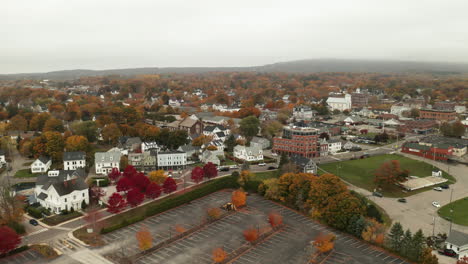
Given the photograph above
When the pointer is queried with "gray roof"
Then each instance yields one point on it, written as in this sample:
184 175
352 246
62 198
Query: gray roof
44 179
457 238
42 196
2 152
300 160
112 156
258 140
66 187
189 147
44 159
74 155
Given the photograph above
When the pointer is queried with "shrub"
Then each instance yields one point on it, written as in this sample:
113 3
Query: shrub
19 228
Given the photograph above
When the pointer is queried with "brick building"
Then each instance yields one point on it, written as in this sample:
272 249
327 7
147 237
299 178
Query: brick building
439 115
298 140
359 100
421 126
434 152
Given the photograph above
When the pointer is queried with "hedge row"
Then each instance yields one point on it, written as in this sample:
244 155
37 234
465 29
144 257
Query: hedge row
172 202
15 251
36 212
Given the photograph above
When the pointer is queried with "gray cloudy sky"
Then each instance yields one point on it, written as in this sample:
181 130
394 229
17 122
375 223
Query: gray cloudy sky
45 35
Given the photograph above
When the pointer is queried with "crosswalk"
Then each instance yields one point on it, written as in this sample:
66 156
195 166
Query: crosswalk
68 245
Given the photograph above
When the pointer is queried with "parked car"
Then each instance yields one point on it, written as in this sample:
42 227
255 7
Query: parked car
402 200
271 168
33 222
447 252
233 167
262 164
224 169
436 204
274 154
437 189
445 186
377 194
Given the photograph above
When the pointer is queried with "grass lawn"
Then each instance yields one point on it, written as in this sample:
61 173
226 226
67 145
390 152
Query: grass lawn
24 173
261 176
361 172
59 218
460 211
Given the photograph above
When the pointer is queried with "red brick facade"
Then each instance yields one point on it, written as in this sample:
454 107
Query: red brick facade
427 152
303 142
437 114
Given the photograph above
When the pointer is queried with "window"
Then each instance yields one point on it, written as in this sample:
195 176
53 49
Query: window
83 194
65 199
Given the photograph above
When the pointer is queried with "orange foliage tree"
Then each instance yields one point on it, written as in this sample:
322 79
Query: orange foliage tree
219 255
390 173
374 232
275 219
324 243
239 198
214 213
145 239
180 229
251 234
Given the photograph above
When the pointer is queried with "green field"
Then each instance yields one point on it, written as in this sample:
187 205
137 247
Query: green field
460 211
361 172
24 173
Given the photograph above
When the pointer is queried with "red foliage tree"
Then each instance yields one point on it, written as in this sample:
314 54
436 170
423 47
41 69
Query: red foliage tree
140 181
97 192
135 197
197 174
210 170
463 260
129 171
10 240
114 174
124 184
153 190
251 234
390 173
169 185
116 203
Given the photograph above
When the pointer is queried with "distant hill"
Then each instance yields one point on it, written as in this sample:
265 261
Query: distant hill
301 66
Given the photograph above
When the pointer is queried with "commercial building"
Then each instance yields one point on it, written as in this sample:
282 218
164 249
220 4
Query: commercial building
298 139
439 115
435 152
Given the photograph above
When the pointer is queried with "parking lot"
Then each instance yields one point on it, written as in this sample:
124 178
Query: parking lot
289 245
25 257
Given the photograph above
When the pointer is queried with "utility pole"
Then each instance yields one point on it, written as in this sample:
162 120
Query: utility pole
451 212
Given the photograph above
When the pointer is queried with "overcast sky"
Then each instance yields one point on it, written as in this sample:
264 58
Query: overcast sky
46 35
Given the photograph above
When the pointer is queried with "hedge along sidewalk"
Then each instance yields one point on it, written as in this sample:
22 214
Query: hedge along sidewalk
153 207
173 239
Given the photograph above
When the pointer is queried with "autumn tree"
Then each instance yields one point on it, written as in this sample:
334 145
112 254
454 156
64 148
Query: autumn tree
116 203
140 181
18 123
239 198
180 228
153 190
38 121
390 173
169 185
219 255
324 243
244 178
374 232
124 184
54 145
53 124
157 176
111 133
197 174
88 129
269 188
144 238
251 234
11 206
114 174
275 219
135 197
201 140
77 143
294 188
96 193
214 213
210 170
10 240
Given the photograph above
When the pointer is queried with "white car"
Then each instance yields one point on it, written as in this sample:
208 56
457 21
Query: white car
436 204
437 189
262 164
274 154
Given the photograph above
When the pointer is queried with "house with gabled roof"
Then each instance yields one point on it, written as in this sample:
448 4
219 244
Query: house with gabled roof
73 160
106 161
41 164
305 165
458 242
62 190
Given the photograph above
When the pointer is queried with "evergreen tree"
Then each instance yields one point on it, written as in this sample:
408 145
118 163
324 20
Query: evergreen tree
395 237
230 143
357 224
284 159
417 245
406 243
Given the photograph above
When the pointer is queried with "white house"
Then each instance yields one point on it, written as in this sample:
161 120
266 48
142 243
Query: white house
210 156
174 102
2 158
334 145
304 164
42 164
398 109
106 161
339 103
252 153
62 190
303 112
286 98
147 146
458 242
171 159
74 160
265 143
